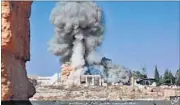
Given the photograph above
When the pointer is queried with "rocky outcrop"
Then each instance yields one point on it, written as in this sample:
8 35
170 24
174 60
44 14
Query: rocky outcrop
15 48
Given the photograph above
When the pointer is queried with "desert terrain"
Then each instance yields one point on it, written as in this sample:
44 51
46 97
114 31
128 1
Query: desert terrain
104 93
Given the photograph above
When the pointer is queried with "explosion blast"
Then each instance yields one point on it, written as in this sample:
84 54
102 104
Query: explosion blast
78 32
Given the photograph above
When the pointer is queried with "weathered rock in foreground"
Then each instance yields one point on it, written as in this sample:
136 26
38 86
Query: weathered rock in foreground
15 50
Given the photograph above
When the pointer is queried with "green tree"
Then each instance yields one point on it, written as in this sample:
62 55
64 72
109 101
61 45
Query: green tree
171 77
166 78
177 77
140 74
156 75
136 74
161 80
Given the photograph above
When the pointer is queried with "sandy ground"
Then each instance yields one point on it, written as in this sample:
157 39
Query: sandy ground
101 93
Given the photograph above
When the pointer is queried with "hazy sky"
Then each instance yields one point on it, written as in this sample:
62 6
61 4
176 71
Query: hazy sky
138 34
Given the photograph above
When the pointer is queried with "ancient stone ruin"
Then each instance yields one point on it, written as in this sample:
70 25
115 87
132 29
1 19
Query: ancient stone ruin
15 48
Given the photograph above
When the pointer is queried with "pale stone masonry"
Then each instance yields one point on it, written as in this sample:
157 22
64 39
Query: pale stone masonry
93 79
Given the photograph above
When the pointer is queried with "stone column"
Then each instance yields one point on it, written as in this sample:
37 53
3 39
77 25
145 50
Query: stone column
86 80
99 81
132 81
93 81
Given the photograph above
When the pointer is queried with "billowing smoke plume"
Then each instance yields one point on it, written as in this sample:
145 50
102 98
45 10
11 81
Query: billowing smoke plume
115 73
78 32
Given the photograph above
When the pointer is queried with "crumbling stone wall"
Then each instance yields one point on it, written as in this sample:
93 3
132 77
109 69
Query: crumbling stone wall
67 69
15 48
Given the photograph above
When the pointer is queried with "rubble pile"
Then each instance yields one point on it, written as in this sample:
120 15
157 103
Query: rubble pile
101 93
65 71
